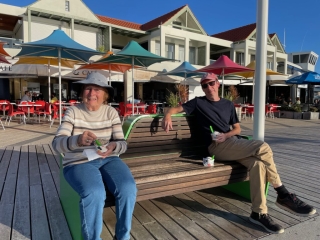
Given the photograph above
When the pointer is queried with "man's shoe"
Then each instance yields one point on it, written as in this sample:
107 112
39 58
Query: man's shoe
265 221
294 205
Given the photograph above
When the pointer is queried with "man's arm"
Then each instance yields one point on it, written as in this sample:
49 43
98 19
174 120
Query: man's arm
166 121
236 130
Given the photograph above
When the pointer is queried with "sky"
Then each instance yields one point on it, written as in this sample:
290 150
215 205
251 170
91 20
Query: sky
296 22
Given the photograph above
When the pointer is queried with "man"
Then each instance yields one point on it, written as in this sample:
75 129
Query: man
257 156
26 97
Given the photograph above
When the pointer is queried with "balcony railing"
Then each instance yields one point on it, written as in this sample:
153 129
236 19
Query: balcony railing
11 42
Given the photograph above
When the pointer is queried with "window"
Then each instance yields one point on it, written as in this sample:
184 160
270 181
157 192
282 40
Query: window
240 58
192 55
304 58
67 6
170 50
270 65
176 23
158 52
181 53
296 59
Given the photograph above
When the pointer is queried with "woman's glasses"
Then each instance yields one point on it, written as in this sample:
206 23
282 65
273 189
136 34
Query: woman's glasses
204 86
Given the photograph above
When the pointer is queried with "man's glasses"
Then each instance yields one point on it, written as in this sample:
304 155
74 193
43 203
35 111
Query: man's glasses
204 86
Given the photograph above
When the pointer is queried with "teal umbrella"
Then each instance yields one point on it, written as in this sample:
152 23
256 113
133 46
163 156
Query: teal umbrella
135 55
58 45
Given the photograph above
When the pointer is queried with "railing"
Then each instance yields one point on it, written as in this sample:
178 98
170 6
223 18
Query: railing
11 42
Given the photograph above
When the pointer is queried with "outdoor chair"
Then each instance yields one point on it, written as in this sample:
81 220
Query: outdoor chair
152 109
274 109
39 108
55 112
141 108
72 102
45 112
4 108
2 124
12 113
250 111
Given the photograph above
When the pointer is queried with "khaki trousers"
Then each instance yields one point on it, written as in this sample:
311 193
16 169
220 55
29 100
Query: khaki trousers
257 156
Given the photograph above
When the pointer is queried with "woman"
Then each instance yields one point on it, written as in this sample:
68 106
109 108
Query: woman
81 126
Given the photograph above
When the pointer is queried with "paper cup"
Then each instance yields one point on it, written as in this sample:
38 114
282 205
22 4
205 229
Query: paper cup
208 162
103 145
214 135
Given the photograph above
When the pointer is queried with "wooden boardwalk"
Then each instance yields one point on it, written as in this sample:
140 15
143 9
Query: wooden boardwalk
30 206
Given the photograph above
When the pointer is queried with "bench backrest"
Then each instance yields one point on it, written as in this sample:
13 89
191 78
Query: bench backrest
146 138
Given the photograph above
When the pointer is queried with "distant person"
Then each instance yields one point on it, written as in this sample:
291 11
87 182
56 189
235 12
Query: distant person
298 100
40 96
53 98
26 97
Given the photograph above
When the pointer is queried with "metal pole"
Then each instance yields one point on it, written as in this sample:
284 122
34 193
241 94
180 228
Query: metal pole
49 80
222 94
132 86
260 74
60 97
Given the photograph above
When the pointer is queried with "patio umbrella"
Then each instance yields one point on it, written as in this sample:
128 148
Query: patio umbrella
310 78
49 61
222 66
57 45
135 55
185 70
271 75
3 54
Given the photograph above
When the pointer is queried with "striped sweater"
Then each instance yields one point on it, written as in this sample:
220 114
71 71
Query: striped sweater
104 123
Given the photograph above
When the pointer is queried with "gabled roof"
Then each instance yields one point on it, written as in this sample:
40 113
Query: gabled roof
161 20
119 22
271 35
236 34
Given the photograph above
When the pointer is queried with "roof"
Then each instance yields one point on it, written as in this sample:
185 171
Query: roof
160 20
236 34
119 22
144 27
271 35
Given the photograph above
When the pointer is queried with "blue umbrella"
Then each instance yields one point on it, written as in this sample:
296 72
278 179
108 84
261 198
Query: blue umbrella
312 78
184 70
305 78
58 45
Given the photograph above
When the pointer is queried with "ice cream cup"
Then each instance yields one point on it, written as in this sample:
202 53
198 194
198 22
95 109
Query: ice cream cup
214 135
208 162
101 145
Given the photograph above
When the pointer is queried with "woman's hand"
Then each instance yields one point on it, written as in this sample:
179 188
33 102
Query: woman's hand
111 147
86 138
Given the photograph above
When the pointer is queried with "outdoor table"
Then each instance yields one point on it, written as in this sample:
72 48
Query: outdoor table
136 107
29 106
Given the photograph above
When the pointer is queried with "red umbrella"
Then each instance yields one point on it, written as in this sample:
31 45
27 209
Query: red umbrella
222 66
3 54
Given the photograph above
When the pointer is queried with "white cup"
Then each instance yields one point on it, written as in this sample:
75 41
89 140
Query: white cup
214 135
103 148
208 162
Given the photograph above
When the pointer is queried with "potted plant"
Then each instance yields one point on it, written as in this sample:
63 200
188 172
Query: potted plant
286 111
297 112
311 114
232 94
172 100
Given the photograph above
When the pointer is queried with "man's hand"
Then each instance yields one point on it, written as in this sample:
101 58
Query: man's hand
167 123
86 138
111 147
221 138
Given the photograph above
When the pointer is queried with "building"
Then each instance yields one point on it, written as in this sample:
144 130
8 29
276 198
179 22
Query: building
177 35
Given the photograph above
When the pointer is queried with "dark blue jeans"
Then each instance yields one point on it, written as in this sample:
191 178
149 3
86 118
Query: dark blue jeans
88 180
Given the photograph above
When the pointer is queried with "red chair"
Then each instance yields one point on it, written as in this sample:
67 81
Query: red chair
4 107
46 111
274 109
152 109
2 124
250 111
39 108
12 113
55 112
125 110
141 108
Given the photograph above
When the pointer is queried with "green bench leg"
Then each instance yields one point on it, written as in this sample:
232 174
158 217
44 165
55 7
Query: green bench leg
70 204
243 189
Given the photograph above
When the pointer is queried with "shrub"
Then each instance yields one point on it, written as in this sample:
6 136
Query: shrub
172 99
232 94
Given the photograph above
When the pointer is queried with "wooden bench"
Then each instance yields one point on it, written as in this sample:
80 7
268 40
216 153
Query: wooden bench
164 164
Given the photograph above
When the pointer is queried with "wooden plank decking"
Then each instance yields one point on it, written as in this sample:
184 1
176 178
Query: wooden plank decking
30 206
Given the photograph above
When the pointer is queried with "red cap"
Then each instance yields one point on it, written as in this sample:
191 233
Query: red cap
208 76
